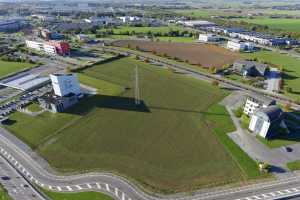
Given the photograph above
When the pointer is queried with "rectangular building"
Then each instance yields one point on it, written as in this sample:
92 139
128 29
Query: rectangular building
10 26
64 84
51 48
237 45
255 102
208 38
267 122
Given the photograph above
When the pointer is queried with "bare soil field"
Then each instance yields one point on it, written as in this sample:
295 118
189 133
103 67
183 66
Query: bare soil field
201 54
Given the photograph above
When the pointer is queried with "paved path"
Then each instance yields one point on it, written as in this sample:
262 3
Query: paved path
273 80
255 149
278 157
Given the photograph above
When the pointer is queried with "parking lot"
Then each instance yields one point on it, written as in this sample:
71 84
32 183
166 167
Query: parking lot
20 102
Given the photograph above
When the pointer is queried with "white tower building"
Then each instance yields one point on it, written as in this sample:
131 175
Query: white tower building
65 84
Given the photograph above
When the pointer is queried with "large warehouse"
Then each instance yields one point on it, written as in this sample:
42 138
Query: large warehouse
25 81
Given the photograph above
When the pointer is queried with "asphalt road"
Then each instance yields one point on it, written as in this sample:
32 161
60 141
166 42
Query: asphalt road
209 77
36 170
17 186
273 80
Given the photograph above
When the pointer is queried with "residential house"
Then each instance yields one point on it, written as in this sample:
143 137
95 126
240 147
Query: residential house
250 68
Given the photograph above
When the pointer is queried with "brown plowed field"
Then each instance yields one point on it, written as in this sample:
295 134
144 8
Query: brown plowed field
203 54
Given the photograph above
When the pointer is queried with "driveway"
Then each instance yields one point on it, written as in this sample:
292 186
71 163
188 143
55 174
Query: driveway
248 142
273 80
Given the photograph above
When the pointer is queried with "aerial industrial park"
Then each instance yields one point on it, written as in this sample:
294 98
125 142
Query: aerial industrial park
149 100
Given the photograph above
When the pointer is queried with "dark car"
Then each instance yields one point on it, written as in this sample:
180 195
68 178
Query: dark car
288 149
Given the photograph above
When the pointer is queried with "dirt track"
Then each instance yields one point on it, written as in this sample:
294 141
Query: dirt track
203 54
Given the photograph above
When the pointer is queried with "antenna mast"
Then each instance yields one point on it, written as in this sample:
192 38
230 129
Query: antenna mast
137 87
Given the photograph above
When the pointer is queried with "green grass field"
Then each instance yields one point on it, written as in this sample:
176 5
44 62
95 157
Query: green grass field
276 143
34 107
161 29
3 194
204 13
294 165
7 68
174 141
278 23
291 65
77 196
177 39
103 87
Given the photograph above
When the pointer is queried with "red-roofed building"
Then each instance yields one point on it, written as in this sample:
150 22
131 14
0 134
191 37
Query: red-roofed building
62 48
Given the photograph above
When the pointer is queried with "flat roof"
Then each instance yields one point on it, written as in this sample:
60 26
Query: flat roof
24 82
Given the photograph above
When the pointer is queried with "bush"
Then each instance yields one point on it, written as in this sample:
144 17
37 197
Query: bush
238 112
245 120
289 89
264 167
215 83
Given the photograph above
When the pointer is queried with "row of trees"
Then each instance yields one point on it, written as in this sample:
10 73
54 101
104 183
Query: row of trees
170 33
16 59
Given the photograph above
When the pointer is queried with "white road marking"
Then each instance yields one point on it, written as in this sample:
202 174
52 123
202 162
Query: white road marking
107 187
116 192
78 187
69 188
256 197
89 186
58 188
98 186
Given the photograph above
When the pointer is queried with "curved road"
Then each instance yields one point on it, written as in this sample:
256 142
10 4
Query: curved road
32 167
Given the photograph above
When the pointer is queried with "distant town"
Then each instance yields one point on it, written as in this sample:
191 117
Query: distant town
142 100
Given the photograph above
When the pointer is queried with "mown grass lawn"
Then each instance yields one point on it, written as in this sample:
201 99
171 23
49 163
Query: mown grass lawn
4 195
174 141
7 68
279 23
34 107
291 65
277 142
294 165
103 87
77 196
146 29
177 39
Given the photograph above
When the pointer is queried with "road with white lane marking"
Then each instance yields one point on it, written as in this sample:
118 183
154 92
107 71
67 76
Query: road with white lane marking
121 189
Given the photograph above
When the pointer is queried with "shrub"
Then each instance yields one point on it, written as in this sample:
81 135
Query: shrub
238 112
287 107
289 89
264 167
215 83
245 120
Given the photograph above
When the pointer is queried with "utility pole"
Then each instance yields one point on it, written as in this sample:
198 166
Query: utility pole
137 87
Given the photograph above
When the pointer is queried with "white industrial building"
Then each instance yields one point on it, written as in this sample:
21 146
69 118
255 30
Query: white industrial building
64 84
208 38
66 93
127 19
253 103
197 23
237 45
267 122
40 46
25 81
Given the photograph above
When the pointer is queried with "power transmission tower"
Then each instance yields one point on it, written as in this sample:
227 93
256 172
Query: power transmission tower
137 87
